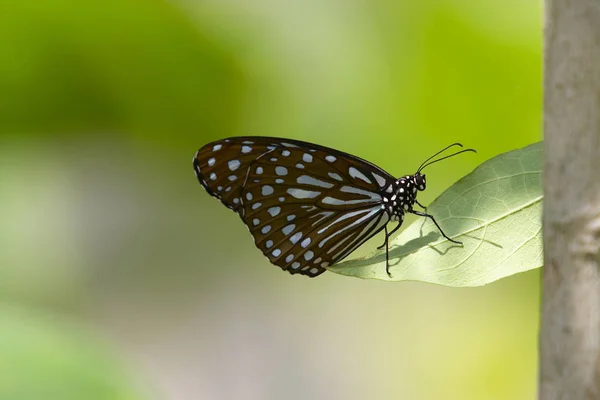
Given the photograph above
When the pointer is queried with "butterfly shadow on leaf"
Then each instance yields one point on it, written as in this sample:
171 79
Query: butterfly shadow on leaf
396 253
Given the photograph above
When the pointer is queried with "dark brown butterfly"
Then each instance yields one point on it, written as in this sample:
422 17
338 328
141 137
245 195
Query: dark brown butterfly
308 206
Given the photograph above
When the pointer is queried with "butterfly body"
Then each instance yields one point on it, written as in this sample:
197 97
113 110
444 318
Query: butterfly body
399 197
307 206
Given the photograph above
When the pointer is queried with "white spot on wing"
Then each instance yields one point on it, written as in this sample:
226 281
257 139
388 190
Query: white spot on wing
303 194
217 147
309 255
335 176
246 149
269 244
289 258
265 229
274 211
281 171
267 190
374 196
297 236
233 165
256 205
309 180
276 253
259 170
211 162
305 243
288 229
334 201
330 158
213 176
307 158
357 174
380 179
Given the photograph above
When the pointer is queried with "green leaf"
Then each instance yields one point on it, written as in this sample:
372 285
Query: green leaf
495 211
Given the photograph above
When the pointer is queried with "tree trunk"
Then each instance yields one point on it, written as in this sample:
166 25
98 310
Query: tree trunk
570 328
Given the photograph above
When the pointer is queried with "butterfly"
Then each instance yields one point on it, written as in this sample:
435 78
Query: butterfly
309 206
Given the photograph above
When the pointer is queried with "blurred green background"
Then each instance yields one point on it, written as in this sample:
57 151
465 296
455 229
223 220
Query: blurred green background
120 278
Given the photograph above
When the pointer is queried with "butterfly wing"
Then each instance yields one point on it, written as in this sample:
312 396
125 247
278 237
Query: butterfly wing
307 206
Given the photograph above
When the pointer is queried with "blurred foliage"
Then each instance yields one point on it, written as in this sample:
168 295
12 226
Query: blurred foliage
138 66
47 357
103 105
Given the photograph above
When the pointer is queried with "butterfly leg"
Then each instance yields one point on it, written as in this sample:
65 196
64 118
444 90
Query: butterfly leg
387 249
387 253
389 234
420 205
422 214
387 257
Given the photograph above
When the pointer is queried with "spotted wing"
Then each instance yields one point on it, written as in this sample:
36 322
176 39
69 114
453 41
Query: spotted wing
307 206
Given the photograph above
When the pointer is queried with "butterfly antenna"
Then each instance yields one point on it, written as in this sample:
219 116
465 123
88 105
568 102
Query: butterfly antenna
439 152
426 164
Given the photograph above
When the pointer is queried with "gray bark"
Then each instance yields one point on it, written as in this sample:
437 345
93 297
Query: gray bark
570 328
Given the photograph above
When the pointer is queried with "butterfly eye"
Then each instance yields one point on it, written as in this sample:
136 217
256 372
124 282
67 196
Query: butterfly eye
420 181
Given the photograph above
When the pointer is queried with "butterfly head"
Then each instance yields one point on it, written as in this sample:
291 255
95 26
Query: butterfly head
419 181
